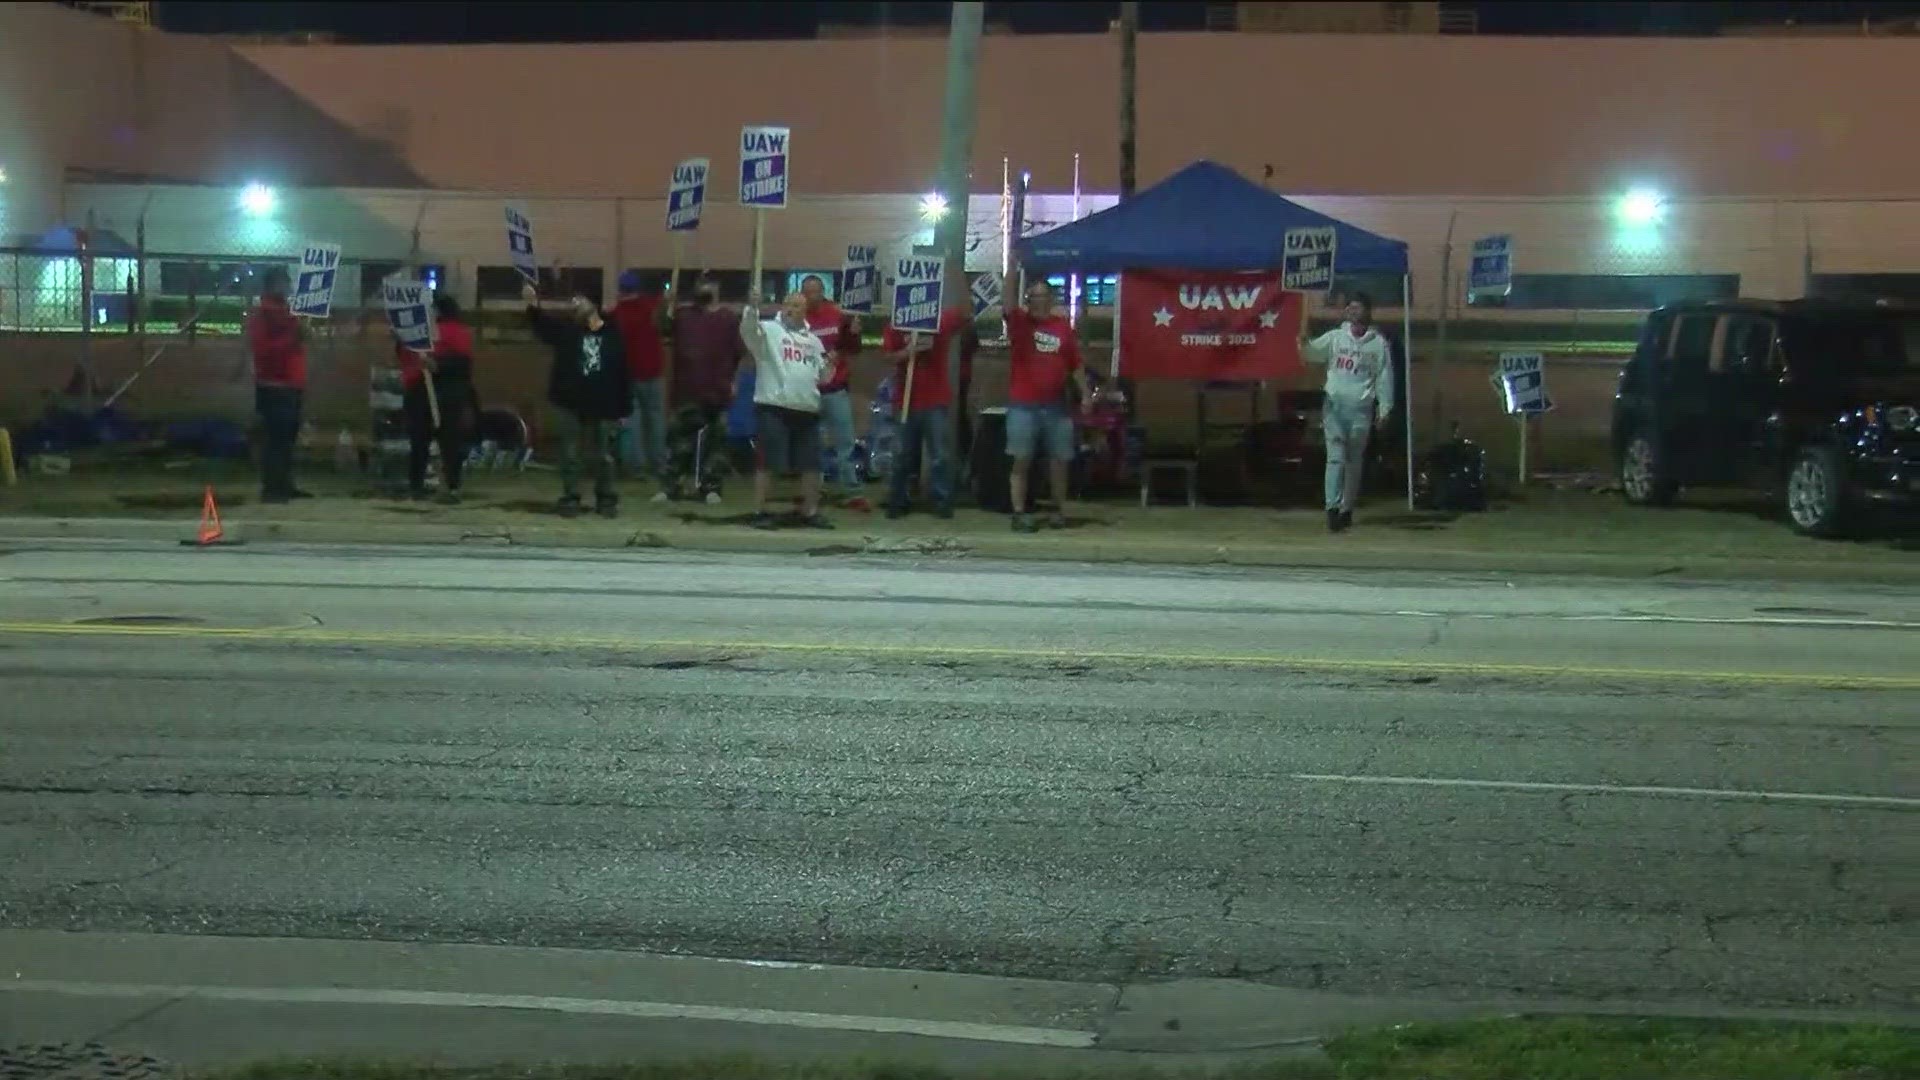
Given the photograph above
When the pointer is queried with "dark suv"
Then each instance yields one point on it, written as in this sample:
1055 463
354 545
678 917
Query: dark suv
1812 400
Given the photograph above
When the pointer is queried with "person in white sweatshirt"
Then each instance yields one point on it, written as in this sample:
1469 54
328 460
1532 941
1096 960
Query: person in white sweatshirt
1359 392
789 363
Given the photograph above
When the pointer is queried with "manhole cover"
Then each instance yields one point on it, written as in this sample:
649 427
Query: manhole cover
139 620
76 1061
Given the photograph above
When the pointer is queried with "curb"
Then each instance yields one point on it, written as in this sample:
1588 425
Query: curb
598 536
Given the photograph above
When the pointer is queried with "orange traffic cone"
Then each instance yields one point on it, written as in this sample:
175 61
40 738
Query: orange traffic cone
210 531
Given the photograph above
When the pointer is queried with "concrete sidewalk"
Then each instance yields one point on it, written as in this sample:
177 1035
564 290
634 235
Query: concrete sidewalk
208 1001
1553 533
211 1001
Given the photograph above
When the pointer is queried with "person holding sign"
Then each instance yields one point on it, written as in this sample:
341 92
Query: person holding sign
278 343
788 362
1043 360
839 336
642 319
707 350
590 390
926 401
450 367
1359 392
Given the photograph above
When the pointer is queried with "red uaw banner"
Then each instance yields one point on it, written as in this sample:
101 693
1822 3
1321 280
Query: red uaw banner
1208 325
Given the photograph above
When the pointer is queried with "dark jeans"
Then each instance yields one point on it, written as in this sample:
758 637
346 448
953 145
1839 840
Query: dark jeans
697 449
456 417
587 443
279 409
931 430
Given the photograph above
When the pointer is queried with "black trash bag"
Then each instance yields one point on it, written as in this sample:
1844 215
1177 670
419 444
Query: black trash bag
1452 477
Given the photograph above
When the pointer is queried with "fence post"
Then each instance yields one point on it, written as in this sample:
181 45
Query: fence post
1440 358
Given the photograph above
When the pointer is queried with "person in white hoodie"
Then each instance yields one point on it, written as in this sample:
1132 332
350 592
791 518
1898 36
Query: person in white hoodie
789 363
1359 392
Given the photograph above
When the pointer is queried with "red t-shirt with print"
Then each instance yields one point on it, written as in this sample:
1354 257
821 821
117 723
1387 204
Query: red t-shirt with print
1041 354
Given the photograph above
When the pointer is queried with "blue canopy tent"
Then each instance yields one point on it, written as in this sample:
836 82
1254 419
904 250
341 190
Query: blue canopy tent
1208 217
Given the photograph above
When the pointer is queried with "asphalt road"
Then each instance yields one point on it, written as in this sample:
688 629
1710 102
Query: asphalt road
1402 783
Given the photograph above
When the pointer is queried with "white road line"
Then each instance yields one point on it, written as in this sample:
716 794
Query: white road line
646 1010
1884 802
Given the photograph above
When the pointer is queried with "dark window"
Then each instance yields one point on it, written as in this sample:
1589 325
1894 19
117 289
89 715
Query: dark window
1096 290
1692 343
1382 289
1743 345
183 277
573 280
496 283
1610 292
830 279
371 275
1856 345
1870 286
653 279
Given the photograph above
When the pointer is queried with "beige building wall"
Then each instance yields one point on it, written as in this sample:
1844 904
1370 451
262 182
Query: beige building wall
81 92
1371 115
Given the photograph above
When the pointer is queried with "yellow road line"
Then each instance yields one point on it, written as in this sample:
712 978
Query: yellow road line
413 639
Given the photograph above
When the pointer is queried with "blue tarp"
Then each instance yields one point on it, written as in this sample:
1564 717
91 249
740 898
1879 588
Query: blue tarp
1204 217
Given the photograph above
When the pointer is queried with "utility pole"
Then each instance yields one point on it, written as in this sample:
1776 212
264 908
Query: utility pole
1129 33
956 155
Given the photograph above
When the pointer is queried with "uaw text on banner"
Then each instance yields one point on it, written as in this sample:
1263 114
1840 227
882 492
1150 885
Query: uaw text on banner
687 195
860 278
313 288
1220 326
520 246
917 284
763 167
409 306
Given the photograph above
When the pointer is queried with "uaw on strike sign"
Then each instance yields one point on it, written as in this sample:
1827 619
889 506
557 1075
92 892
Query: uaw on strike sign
1216 326
763 167
687 195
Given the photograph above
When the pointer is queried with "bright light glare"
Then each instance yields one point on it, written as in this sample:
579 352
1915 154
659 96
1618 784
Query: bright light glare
933 206
3 174
257 199
1641 207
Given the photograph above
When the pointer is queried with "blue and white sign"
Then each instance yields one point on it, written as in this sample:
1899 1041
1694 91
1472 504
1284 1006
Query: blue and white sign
1522 380
687 195
409 306
860 278
313 286
763 167
1306 263
1490 274
986 293
916 294
520 246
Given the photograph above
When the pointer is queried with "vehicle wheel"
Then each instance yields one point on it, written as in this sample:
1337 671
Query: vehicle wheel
1645 478
1817 492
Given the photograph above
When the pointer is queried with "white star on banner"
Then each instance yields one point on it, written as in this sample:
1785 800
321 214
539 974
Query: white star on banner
1269 319
1163 317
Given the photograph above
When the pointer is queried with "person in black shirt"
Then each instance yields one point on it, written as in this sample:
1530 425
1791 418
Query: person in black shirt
591 392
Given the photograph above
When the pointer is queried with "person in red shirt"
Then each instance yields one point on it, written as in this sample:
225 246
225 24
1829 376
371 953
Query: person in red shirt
839 334
1043 357
926 407
451 367
642 320
278 344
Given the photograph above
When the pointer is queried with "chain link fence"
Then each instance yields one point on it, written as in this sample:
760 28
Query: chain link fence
144 260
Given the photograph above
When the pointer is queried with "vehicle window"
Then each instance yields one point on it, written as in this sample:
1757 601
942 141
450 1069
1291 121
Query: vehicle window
1856 346
1656 337
1692 343
1742 345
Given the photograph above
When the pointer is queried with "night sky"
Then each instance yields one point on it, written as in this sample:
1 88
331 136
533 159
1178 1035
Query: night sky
398 22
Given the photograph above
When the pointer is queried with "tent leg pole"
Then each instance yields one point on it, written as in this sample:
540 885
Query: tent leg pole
1406 360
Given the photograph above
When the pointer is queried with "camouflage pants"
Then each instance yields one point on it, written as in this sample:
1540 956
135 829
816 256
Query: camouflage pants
697 450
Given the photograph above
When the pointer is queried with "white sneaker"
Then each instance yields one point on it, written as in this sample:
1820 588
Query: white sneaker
660 498
713 498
